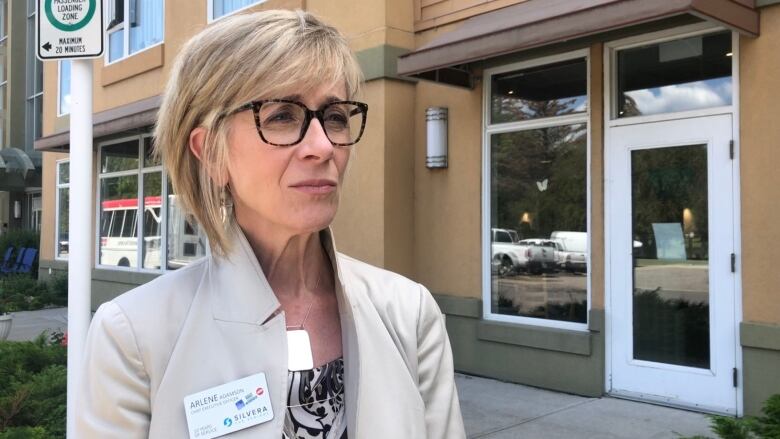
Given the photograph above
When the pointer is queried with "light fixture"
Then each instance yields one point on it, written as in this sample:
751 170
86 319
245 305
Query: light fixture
730 54
511 92
436 124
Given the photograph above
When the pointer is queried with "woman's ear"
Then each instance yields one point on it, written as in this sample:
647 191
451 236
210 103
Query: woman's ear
197 144
197 140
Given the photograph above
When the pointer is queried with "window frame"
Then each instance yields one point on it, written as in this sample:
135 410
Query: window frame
488 129
210 7
611 50
139 172
57 200
108 7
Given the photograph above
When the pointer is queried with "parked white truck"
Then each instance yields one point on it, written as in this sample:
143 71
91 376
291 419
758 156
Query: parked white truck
510 255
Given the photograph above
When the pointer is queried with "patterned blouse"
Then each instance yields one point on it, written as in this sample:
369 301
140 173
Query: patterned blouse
315 401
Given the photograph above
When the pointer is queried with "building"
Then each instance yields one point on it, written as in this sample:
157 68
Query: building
21 95
604 220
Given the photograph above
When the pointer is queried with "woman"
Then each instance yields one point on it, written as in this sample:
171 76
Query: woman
273 334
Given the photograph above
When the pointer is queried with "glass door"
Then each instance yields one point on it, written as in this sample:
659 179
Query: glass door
670 244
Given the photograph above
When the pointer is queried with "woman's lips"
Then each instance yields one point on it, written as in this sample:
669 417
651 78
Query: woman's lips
315 187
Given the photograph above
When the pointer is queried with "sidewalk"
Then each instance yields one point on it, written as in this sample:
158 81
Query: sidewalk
493 409
28 324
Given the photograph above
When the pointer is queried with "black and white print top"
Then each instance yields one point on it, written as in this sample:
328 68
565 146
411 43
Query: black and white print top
315 401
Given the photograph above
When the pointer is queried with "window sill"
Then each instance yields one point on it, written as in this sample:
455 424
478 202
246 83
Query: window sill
551 339
135 64
123 276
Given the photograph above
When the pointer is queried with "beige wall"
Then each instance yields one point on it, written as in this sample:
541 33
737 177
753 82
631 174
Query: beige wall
596 103
759 159
447 201
375 218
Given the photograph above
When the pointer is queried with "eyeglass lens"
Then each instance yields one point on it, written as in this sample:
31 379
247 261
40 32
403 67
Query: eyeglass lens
281 122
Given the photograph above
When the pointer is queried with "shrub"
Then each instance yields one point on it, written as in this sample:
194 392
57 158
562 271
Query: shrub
21 292
33 397
762 427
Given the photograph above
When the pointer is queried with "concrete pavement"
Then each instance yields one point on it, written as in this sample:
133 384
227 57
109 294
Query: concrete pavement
497 410
28 324
493 409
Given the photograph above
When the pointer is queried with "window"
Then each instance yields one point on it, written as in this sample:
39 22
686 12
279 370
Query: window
219 8
679 75
34 103
34 209
133 25
62 203
63 99
132 216
3 66
536 140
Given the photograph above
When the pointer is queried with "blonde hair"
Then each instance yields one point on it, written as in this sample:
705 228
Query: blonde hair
234 61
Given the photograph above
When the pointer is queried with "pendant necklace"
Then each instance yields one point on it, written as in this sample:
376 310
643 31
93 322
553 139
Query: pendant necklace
299 353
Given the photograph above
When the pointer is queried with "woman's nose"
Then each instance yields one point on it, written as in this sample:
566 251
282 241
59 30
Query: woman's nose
315 142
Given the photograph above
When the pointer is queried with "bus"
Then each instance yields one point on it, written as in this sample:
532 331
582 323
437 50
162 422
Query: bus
119 234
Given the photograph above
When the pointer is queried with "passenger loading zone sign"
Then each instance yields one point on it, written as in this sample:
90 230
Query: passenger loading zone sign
69 29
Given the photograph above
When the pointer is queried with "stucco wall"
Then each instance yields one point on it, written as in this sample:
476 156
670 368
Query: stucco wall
447 201
760 155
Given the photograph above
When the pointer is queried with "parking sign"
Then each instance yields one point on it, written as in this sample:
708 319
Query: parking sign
69 29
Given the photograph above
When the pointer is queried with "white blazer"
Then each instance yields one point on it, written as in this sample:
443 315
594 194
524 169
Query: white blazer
202 326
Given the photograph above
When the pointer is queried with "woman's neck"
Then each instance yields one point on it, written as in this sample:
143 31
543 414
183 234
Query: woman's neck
295 264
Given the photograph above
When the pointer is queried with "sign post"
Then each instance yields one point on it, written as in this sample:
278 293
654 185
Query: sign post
73 29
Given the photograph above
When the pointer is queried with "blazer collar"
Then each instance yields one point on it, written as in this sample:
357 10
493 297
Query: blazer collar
240 289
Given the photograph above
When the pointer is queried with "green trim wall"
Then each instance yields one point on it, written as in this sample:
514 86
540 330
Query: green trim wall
760 362
556 359
381 62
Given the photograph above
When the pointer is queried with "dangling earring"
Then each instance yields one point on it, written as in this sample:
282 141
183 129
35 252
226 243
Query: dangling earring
225 204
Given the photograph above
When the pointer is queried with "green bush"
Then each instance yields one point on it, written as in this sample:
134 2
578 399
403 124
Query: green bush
762 427
21 292
33 398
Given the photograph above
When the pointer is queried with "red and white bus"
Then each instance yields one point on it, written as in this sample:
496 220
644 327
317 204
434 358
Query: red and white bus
119 234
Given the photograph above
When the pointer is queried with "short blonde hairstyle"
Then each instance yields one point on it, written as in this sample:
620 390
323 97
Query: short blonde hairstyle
234 61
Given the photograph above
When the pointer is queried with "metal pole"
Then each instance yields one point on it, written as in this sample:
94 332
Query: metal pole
80 227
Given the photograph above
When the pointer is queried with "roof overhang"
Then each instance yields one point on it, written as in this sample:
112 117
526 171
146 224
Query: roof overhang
537 23
127 117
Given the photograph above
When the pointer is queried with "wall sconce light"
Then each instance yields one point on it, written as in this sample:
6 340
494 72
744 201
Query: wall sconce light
17 209
436 122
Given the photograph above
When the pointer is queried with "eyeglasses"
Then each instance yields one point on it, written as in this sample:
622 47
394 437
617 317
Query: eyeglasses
282 122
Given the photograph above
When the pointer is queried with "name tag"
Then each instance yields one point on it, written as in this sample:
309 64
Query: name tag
228 407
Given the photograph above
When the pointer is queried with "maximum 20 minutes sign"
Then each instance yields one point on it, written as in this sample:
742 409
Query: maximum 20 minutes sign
69 29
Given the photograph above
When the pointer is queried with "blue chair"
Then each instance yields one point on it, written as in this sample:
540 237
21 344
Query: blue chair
7 257
11 268
27 261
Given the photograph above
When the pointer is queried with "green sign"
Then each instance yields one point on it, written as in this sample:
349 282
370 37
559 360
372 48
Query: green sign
70 10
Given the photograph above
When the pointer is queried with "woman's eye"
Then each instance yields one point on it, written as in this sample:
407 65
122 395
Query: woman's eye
281 117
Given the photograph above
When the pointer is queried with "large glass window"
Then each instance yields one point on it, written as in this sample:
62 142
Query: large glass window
139 214
63 99
133 25
679 75
223 7
538 193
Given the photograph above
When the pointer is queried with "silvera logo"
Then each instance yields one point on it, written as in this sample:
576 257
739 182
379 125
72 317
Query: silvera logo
69 15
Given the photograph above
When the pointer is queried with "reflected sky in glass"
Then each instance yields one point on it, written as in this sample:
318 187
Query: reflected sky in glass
679 97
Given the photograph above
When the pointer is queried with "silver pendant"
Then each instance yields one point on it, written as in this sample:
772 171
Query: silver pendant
299 356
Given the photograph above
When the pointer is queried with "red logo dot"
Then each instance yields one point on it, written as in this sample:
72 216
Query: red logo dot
259 391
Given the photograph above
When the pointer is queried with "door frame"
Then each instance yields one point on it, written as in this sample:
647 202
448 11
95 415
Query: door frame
610 88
